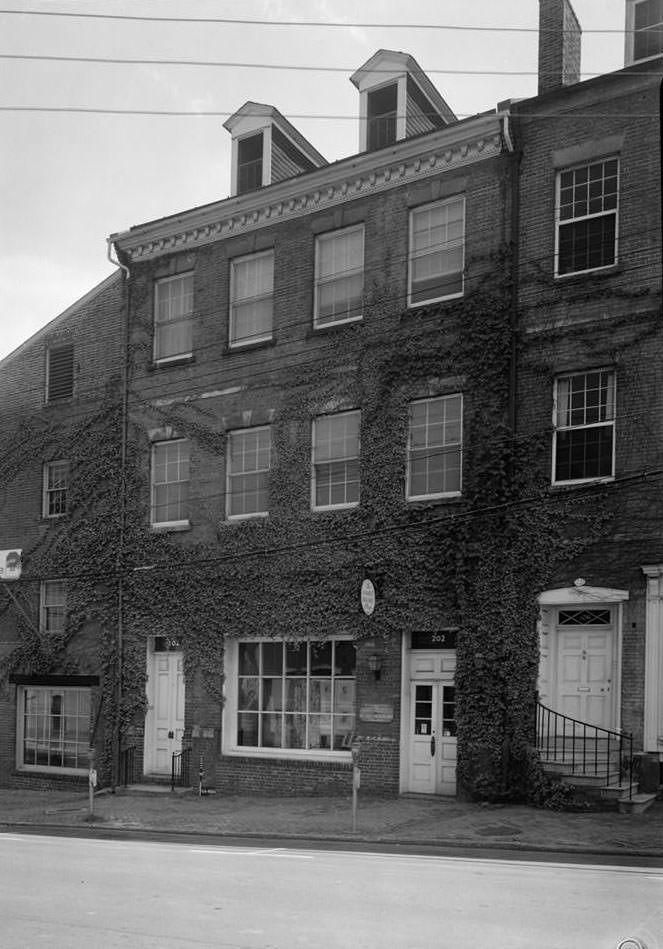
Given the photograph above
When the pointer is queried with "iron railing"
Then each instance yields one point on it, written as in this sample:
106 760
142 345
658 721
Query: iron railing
588 750
179 773
127 771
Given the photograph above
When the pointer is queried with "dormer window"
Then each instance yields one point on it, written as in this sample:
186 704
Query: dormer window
382 110
644 30
249 163
396 101
266 148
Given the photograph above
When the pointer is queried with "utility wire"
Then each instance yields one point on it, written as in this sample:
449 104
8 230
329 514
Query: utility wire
299 23
276 66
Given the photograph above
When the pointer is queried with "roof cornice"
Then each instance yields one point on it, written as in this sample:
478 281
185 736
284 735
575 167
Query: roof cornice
409 160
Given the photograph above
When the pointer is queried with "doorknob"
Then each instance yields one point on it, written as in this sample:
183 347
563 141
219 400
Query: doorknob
171 734
432 745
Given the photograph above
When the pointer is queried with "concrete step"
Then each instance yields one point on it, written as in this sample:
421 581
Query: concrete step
637 804
618 792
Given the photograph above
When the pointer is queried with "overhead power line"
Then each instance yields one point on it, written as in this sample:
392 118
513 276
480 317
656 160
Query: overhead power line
233 21
221 113
279 66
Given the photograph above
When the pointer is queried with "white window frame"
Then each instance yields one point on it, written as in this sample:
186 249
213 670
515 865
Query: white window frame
230 709
256 298
629 50
231 475
181 522
47 603
185 319
48 491
449 245
607 423
338 276
44 729
559 223
412 453
336 460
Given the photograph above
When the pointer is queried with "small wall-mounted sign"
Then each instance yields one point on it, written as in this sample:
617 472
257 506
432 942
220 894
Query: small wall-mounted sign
376 713
367 597
10 564
437 639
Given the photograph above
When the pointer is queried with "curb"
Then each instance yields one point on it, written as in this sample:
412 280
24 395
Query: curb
97 829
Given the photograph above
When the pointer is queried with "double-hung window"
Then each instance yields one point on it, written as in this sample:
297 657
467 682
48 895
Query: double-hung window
584 427
339 276
248 463
435 447
170 482
56 485
249 163
437 251
60 373
173 317
382 112
336 461
587 217
53 606
251 299
295 695
53 726
644 29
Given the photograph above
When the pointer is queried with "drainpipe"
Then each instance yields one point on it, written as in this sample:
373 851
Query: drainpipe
119 558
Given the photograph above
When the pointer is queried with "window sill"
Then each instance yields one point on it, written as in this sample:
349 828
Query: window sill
582 276
289 754
452 497
333 327
45 771
242 518
171 527
172 362
558 486
245 347
334 507
431 309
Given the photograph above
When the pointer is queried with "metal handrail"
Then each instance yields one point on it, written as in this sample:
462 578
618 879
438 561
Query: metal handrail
179 768
571 737
127 766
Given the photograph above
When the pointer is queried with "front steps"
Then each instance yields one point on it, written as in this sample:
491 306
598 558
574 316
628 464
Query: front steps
605 788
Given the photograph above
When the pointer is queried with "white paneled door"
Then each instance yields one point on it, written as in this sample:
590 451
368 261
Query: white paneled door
432 738
165 718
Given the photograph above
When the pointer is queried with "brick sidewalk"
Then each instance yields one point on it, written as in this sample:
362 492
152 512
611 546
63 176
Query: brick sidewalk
406 819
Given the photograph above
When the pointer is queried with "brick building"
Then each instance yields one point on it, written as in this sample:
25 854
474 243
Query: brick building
316 496
589 233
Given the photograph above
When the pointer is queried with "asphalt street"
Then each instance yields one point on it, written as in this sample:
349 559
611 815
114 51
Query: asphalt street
75 892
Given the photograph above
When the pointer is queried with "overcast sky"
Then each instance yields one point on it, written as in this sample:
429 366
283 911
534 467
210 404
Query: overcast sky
67 181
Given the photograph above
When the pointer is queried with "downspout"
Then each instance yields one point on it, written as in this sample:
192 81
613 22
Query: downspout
515 262
119 558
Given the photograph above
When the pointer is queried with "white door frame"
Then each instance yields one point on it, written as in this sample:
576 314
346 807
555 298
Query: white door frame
653 710
580 595
434 667
150 744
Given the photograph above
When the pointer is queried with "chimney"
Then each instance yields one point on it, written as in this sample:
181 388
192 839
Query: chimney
559 45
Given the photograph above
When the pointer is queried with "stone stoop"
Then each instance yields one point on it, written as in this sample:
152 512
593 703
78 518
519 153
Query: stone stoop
637 804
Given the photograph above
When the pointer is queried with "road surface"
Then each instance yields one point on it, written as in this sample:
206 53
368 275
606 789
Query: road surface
72 892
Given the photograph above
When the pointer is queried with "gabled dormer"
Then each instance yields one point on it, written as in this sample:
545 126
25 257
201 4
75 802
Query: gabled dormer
266 148
644 30
397 100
